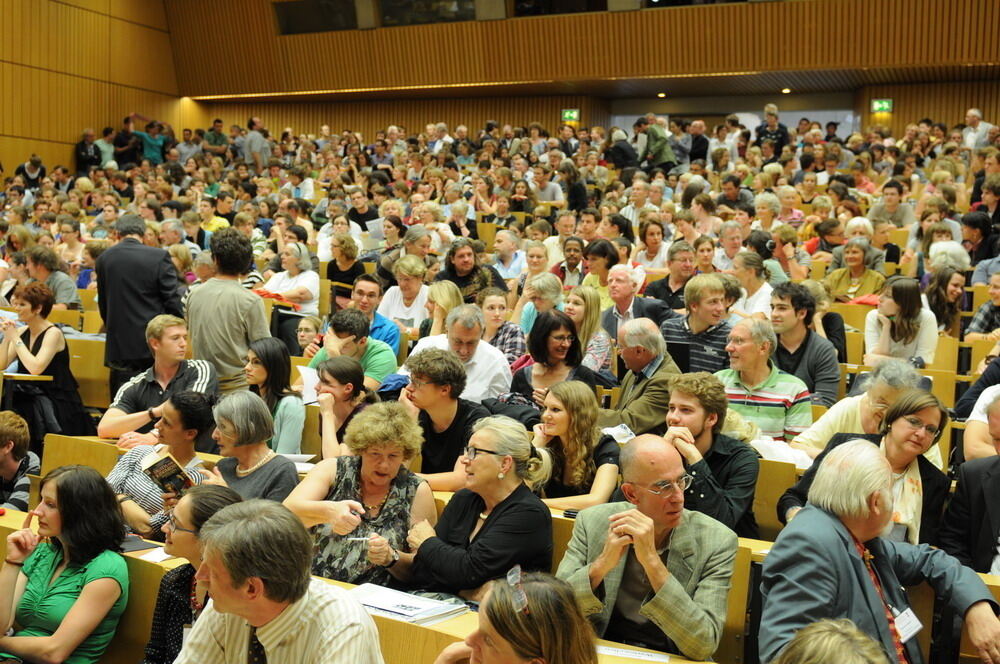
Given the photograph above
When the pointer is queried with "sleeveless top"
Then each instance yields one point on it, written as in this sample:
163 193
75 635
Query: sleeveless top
336 557
68 408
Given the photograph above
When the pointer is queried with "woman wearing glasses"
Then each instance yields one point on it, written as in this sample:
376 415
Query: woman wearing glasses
492 524
360 507
527 618
557 357
911 426
181 598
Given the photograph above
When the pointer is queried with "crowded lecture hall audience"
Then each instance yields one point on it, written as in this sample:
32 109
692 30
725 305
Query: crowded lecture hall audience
553 372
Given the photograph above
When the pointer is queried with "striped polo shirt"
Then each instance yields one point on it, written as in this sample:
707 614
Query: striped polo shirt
780 406
707 350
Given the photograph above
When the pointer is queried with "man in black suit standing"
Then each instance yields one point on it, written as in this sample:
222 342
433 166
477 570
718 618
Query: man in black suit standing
622 289
135 283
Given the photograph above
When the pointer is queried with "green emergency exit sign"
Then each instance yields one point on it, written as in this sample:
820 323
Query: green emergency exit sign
881 106
571 115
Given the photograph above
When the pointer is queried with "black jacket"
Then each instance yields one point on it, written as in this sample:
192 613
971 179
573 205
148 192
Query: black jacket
972 523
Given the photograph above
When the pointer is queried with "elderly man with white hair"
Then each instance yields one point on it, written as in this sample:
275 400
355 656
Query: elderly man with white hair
977 132
832 562
624 282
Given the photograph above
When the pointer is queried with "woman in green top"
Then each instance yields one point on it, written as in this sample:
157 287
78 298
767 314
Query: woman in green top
70 589
268 371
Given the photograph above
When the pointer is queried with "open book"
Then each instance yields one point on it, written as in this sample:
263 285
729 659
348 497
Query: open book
398 605
166 472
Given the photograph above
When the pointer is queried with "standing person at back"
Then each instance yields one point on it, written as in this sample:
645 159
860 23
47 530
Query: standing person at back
136 283
223 317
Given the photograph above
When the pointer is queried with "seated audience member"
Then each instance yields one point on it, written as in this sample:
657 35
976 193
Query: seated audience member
462 267
645 388
39 348
16 462
405 304
368 493
777 402
366 297
861 573
256 560
985 323
977 441
487 374
139 402
863 412
185 417
583 306
601 256
571 269
969 531
724 470
343 268
944 297
502 334
508 259
492 524
912 424
342 394
584 462
624 578
416 242
900 326
627 305
855 279
297 283
704 331
181 598
44 267
831 642
65 583
800 351
243 425
269 369
827 324
309 328
755 291
730 244
859 227
222 316
542 293
680 268
557 358
829 234
348 336
535 618
437 377
442 297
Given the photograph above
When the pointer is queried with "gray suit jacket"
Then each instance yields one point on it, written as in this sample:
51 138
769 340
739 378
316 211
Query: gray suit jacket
690 607
643 404
814 571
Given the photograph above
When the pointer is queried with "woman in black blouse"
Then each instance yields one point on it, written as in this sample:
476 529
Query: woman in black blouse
344 268
584 462
494 523
181 598
558 357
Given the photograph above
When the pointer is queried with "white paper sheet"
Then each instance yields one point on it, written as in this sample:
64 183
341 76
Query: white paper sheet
774 450
157 555
633 654
310 379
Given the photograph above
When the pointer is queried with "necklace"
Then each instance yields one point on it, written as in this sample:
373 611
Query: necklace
196 606
243 473
377 506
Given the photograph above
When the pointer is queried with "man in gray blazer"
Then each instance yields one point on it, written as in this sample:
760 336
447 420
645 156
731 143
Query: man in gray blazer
648 572
830 562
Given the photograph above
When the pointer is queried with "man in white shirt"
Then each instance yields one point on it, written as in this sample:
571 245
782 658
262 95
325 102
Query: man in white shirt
510 260
976 133
638 202
265 605
731 241
487 372
565 227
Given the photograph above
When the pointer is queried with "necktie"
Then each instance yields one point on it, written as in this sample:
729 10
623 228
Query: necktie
255 653
901 657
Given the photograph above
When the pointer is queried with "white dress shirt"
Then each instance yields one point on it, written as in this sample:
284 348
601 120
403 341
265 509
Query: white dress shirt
487 374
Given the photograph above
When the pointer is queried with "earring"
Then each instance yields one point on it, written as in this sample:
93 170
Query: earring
500 476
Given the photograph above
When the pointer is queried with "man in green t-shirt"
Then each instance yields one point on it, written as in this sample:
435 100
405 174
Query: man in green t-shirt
215 141
348 336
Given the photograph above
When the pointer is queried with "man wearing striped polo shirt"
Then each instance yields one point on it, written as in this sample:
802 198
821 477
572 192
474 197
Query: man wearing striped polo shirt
777 402
704 331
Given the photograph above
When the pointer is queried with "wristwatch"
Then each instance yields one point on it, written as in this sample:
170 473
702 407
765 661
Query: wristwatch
152 415
395 559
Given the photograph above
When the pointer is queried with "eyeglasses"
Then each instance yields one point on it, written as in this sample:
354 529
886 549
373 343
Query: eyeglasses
666 486
915 423
417 384
174 526
471 451
520 598
563 338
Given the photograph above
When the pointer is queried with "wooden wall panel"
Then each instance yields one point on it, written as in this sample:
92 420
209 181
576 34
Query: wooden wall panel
370 116
942 102
250 57
70 64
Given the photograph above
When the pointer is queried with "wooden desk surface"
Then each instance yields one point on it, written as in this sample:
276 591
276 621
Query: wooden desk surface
27 378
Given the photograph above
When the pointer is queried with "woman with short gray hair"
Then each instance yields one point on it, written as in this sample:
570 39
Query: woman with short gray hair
243 425
297 283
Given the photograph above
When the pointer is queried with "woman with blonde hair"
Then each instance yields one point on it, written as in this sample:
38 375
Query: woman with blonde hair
344 268
830 641
584 462
180 256
442 297
430 215
528 618
583 306
536 258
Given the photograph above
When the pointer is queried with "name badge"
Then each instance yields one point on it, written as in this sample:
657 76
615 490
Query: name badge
907 624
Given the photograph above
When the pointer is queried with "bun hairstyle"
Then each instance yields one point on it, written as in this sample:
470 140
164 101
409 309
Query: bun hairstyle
512 440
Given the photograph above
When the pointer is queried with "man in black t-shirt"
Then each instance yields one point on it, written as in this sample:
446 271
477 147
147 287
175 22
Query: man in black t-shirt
437 377
361 210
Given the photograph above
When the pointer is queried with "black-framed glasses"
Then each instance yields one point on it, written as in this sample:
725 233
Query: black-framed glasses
520 597
682 483
174 526
471 451
915 423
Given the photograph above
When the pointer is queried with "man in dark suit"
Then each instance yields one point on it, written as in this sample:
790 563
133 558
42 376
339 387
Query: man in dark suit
622 289
832 562
646 387
136 283
971 525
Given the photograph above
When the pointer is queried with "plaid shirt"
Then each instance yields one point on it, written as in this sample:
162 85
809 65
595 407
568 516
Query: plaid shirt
509 340
986 319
